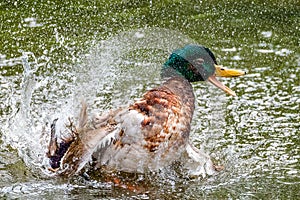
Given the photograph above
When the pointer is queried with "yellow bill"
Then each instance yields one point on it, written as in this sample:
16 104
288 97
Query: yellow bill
220 85
225 72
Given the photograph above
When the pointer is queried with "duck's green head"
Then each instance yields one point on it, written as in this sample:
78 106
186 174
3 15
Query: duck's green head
197 63
192 61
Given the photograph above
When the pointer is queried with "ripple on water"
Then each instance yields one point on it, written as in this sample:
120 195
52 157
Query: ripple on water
255 135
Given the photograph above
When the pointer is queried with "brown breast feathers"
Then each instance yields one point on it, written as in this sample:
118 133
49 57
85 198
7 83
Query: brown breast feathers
168 111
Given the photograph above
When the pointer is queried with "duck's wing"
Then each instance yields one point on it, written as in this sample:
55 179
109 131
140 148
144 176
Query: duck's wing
147 136
74 151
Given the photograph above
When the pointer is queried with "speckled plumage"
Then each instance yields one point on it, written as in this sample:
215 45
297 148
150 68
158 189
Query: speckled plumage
158 135
148 135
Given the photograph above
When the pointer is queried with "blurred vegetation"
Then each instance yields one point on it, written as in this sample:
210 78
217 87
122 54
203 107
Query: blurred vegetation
39 26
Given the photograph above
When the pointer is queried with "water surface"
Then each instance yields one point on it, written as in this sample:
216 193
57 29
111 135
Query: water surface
54 54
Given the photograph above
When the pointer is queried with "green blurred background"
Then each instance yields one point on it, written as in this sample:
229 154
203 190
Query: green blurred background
259 143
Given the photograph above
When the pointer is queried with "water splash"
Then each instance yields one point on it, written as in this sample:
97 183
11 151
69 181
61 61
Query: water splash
111 74
20 125
119 67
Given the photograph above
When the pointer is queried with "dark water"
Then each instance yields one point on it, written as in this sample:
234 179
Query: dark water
53 54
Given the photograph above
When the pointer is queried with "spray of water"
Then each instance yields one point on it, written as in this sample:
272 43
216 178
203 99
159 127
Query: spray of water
111 74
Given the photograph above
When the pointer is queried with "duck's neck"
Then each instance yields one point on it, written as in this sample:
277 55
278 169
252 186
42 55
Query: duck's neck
168 72
183 89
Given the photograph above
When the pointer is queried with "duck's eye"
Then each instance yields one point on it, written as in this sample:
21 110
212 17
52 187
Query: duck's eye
192 68
199 61
222 69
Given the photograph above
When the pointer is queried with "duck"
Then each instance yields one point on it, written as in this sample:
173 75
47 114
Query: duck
148 135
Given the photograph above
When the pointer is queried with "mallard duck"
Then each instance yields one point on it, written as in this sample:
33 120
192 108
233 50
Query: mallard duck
150 134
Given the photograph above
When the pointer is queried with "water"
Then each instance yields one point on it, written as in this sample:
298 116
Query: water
54 55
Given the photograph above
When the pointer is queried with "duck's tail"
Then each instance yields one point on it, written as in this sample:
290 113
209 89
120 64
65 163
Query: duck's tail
74 150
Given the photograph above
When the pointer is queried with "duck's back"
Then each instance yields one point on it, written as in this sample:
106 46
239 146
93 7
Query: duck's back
152 132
